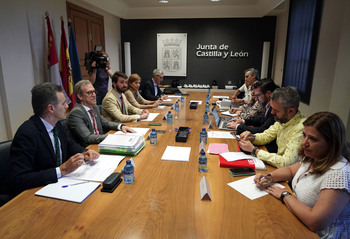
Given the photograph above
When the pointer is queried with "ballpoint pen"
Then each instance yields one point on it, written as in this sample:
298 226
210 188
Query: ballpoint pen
262 178
73 184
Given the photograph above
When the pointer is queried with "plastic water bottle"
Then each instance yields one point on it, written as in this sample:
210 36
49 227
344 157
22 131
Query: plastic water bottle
128 172
153 137
203 136
209 93
205 118
177 106
182 98
169 117
202 162
207 100
207 106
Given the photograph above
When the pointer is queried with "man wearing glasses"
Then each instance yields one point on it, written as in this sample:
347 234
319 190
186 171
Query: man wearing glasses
85 124
151 90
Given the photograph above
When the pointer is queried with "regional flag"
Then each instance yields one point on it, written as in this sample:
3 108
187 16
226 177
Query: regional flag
74 56
54 74
65 67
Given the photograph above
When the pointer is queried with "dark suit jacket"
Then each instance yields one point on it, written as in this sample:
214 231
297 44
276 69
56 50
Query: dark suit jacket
259 124
80 128
32 159
148 91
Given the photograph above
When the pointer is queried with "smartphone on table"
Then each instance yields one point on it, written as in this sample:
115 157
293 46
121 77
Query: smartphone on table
242 171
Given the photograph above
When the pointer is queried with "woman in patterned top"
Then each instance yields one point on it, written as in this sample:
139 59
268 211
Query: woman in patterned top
320 180
134 97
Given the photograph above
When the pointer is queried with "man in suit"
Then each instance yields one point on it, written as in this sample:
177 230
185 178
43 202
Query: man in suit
116 107
150 88
84 122
41 152
262 92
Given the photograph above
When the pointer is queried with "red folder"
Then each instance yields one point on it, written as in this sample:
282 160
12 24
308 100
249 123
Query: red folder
244 163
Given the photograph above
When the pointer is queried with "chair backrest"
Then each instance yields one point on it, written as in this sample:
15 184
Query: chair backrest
4 164
4 170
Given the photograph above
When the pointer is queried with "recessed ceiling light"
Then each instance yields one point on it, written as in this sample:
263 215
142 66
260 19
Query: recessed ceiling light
163 1
215 0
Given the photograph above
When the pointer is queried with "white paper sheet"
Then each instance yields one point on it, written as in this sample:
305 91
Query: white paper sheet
220 135
234 156
249 189
139 131
220 97
160 107
73 193
174 96
151 117
229 114
177 153
167 100
199 102
97 170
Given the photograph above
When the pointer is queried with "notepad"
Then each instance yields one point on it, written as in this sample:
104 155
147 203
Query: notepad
151 117
177 153
76 193
249 189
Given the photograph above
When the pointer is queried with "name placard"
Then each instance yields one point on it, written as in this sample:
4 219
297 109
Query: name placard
204 189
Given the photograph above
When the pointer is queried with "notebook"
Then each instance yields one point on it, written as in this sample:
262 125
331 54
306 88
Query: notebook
221 122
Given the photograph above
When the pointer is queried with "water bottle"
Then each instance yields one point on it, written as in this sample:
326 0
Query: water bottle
203 136
128 172
153 137
205 118
182 98
207 106
169 117
209 93
207 100
202 162
177 106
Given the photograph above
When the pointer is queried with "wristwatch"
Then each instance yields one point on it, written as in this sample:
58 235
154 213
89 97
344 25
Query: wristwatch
283 194
254 151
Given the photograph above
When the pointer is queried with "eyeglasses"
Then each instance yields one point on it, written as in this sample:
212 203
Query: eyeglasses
258 95
90 93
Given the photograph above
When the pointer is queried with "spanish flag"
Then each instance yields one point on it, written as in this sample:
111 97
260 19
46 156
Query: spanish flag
65 67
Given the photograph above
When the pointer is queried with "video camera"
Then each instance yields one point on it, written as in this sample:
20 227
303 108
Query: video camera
90 57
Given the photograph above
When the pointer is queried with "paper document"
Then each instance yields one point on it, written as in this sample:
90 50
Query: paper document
220 97
229 114
249 189
151 117
167 100
174 96
139 131
233 156
177 153
215 148
160 107
74 190
199 102
220 135
97 170
120 140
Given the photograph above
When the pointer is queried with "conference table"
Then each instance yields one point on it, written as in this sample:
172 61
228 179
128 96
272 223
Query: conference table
164 200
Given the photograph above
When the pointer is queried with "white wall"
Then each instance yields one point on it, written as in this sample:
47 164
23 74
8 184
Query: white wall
23 53
331 83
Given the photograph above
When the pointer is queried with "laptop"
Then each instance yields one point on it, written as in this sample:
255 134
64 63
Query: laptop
221 122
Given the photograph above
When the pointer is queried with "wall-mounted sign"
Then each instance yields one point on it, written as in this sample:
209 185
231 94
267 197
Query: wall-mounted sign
172 53
221 51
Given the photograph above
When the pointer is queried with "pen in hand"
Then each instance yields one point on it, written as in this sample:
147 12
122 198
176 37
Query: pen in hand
73 184
264 177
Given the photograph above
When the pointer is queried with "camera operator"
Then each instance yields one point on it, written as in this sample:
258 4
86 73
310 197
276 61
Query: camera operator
99 74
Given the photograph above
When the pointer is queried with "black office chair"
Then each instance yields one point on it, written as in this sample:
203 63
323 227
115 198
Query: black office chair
4 170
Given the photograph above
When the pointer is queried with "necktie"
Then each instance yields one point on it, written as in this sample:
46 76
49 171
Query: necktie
57 147
123 108
94 121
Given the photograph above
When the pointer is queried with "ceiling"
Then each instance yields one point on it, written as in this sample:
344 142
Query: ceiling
152 9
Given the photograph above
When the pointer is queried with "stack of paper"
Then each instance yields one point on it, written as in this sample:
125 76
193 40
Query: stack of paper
125 144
